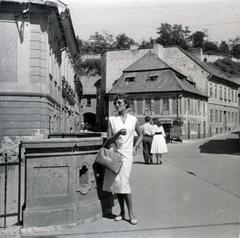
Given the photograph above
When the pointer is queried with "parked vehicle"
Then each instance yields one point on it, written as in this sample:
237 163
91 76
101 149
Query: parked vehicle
175 132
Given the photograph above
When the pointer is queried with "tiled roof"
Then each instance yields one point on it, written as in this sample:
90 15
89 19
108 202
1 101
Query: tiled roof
88 82
210 68
148 62
166 81
236 80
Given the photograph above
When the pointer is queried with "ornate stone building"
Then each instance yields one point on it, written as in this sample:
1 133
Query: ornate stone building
39 92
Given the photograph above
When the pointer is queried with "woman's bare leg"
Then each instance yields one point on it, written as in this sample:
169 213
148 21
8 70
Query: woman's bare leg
129 203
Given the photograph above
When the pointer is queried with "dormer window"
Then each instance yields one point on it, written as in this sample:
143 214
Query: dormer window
152 78
130 79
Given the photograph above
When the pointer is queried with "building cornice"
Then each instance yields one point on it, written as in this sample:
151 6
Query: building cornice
29 94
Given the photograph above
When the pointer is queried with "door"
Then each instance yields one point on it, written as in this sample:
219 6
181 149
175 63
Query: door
189 131
199 130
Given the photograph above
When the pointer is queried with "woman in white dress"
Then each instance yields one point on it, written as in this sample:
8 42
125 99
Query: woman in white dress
121 129
159 145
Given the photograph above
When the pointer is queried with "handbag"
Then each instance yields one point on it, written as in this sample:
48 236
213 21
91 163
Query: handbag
109 159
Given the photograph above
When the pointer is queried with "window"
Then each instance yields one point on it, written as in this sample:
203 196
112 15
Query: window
221 97
215 90
216 115
132 105
233 95
211 115
220 116
229 98
174 106
148 104
165 106
139 107
199 106
89 102
210 90
130 79
157 106
204 109
152 78
188 105
225 94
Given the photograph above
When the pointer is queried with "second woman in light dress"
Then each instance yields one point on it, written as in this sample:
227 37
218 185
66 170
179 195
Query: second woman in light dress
159 145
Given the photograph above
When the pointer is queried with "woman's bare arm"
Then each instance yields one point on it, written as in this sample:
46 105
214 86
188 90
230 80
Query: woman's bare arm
140 136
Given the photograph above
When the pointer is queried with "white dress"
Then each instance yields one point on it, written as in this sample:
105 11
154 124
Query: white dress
120 183
159 145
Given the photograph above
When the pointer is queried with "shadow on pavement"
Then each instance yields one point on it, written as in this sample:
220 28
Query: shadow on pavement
236 132
228 146
138 162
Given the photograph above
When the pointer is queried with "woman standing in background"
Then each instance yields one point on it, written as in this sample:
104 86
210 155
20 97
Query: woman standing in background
159 145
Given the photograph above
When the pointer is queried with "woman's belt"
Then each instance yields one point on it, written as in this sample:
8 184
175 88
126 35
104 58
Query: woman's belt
158 133
147 135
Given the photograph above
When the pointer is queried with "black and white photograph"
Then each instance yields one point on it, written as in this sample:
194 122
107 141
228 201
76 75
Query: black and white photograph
120 118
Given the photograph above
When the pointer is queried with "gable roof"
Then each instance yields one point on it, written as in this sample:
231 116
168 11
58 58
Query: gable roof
148 62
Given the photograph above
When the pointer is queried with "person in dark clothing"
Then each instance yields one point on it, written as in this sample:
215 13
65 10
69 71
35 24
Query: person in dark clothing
147 132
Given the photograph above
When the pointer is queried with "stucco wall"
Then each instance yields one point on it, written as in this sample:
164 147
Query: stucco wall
176 59
114 62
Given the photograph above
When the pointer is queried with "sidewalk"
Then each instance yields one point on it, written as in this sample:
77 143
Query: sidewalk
168 202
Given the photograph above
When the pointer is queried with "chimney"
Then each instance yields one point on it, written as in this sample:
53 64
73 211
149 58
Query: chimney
158 50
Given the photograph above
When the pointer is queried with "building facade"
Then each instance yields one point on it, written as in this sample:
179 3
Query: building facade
38 93
223 107
201 114
157 90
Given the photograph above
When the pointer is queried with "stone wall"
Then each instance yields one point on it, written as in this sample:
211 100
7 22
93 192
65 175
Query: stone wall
62 185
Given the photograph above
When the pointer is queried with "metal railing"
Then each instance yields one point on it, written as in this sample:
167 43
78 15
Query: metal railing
7 162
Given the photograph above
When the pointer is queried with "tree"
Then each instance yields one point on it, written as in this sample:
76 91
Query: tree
236 51
97 43
147 44
172 35
210 47
83 46
197 39
123 42
224 48
110 43
235 46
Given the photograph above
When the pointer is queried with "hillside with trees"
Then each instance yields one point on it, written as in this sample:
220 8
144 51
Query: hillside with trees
168 35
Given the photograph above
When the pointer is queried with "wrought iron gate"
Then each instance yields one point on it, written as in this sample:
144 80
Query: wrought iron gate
8 161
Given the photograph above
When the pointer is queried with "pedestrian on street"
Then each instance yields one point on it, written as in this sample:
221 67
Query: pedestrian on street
121 129
159 145
147 132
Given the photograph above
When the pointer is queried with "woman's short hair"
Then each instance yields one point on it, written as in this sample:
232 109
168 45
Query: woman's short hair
123 97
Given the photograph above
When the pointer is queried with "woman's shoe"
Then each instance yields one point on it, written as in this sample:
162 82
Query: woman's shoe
133 221
119 218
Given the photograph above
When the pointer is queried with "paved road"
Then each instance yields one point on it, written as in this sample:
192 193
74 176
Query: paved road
195 193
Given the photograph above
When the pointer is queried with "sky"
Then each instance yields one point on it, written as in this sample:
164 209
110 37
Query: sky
139 19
